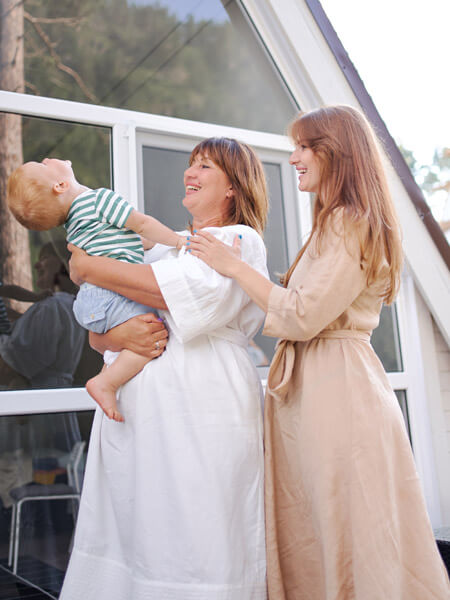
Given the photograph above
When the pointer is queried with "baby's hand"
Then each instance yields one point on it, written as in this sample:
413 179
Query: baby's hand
147 244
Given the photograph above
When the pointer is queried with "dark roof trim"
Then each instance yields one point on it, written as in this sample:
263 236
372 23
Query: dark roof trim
368 106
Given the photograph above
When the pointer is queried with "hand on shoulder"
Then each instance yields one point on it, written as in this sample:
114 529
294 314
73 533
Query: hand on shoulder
220 256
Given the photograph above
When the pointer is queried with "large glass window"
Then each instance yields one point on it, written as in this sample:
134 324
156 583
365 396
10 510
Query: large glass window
194 59
41 345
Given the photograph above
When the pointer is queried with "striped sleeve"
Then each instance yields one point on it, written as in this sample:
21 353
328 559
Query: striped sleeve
112 208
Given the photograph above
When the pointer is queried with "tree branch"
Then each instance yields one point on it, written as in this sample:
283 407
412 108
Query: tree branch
58 62
60 20
33 88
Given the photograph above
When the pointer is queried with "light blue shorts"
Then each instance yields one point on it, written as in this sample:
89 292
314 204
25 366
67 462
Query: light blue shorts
99 310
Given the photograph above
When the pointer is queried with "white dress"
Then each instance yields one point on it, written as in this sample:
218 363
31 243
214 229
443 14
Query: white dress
172 505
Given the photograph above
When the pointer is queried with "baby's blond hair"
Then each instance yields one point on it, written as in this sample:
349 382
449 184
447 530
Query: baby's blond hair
33 202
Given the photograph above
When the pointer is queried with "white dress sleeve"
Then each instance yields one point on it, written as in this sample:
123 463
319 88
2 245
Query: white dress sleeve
199 300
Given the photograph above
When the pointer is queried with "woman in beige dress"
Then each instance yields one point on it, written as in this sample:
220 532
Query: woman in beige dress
345 513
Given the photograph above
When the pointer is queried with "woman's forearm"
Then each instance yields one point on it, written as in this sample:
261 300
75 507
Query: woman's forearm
136 282
253 283
226 261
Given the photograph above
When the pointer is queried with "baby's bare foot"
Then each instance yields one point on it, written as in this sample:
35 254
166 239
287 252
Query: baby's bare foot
105 395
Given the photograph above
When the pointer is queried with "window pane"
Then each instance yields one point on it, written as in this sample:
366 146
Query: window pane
194 59
277 255
402 400
386 341
163 191
41 454
163 185
42 345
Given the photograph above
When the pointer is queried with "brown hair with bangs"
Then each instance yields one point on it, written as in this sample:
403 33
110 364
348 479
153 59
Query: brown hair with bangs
352 177
32 201
249 204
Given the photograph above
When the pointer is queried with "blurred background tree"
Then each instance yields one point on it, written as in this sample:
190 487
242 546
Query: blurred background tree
14 248
434 180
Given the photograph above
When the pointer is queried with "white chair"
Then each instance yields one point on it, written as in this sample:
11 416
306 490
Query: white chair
34 492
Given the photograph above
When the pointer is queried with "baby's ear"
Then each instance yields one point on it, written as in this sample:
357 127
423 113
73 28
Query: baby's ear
60 187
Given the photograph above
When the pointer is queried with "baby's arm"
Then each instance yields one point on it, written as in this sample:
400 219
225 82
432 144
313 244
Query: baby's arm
148 245
151 229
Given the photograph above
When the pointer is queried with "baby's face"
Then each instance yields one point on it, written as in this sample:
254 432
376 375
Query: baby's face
53 170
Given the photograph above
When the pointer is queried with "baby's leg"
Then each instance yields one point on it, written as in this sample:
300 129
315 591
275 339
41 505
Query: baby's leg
103 387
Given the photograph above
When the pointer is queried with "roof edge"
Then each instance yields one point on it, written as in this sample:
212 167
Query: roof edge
370 110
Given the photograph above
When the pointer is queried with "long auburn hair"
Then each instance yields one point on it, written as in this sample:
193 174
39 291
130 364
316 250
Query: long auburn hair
352 178
249 204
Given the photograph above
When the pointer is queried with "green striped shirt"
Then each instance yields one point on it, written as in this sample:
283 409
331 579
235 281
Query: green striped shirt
96 222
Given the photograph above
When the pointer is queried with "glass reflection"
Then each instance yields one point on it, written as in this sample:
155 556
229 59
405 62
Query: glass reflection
386 341
194 59
37 458
402 400
41 345
44 346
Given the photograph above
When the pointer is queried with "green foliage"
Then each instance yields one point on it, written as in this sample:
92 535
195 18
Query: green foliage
430 179
409 158
143 58
434 180
139 57
441 159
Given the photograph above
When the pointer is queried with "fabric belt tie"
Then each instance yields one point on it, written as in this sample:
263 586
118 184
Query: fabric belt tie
282 366
230 335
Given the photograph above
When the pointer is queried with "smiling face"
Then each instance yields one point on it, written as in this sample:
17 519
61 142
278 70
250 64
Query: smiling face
208 191
307 166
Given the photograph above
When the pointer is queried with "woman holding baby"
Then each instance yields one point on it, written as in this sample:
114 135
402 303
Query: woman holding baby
173 497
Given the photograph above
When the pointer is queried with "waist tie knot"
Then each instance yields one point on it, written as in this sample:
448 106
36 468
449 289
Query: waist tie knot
282 366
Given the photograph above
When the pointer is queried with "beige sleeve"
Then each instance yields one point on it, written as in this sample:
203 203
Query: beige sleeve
334 280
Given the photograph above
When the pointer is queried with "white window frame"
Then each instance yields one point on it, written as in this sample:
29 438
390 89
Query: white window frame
128 127
412 381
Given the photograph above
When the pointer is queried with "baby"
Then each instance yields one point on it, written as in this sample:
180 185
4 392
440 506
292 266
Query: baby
44 195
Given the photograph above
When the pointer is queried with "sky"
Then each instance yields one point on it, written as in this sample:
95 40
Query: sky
199 9
401 50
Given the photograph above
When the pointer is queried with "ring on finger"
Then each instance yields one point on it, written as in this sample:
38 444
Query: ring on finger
157 345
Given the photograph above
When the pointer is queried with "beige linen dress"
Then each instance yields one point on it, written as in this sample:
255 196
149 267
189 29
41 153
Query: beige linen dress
345 514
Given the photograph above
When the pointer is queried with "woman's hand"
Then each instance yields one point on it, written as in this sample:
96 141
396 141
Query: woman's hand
145 334
76 263
222 258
